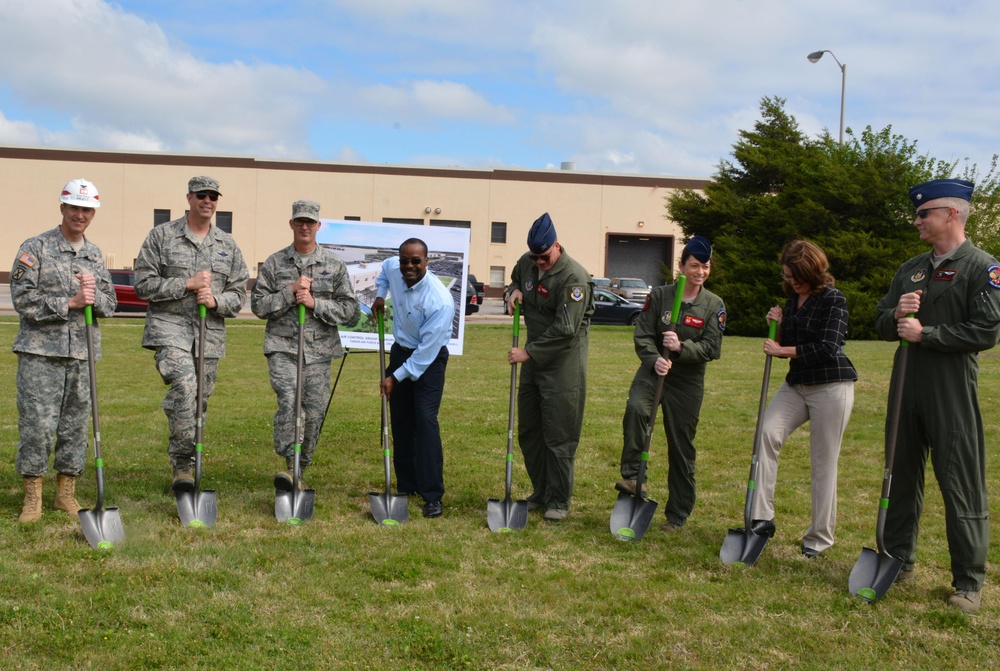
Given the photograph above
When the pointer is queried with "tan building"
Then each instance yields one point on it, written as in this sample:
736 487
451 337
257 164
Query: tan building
615 225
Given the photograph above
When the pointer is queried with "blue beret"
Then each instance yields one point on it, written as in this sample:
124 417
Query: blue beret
700 248
941 188
542 235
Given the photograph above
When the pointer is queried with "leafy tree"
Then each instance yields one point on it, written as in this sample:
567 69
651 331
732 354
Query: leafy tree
850 199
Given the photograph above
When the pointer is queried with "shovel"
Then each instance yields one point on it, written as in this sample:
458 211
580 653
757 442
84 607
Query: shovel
508 515
632 514
388 510
295 507
102 528
875 571
743 546
197 509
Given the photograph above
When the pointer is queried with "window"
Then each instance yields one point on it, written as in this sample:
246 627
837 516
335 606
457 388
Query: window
160 217
402 220
349 218
224 220
451 223
498 232
498 276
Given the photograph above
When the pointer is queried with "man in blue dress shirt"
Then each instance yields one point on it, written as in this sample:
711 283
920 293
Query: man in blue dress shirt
423 312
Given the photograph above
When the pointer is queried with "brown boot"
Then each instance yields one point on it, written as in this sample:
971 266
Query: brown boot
32 511
66 496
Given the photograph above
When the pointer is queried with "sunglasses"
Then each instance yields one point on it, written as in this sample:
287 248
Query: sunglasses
540 257
924 213
414 261
309 223
211 195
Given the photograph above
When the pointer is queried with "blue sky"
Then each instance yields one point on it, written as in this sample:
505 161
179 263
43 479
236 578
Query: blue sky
632 86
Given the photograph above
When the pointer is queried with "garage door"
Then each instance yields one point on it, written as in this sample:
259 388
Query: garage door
640 256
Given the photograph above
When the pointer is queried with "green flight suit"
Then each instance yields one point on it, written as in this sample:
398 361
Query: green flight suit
700 327
553 389
960 313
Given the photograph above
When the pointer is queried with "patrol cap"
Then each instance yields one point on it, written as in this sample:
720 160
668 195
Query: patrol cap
81 193
196 184
542 235
700 248
941 188
305 209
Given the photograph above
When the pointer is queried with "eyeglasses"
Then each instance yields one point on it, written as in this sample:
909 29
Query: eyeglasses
211 195
540 257
309 223
414 261
924 213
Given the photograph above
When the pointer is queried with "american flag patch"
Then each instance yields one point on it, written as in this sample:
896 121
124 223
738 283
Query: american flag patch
27 259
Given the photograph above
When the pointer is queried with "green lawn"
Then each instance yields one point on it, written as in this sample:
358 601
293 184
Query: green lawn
340 592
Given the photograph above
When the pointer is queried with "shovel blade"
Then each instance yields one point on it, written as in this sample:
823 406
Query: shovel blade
873 574
389 510
631 517
102 528
506 515
197 509
294 507
742 547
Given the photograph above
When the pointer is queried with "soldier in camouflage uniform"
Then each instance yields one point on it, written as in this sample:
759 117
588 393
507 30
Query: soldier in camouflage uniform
558 300
55 275
308 274
182 264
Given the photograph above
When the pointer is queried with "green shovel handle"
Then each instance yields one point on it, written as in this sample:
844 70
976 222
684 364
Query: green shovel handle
903 342
302 314
772 329
678 298
202 310
381 325
88 314
517 319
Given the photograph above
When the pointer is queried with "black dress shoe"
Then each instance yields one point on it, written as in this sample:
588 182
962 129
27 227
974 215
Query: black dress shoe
433 509
810 553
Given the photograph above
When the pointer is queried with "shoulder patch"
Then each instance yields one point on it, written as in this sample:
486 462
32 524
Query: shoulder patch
17 274
27 259
645 306
576 294
722 319
993 273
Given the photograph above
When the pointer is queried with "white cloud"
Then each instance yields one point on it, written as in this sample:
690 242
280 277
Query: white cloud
19 133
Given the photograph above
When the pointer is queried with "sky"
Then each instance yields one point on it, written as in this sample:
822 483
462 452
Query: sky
653 87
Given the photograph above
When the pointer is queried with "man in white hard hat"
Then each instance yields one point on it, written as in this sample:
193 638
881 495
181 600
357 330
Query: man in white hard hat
54 277
182 264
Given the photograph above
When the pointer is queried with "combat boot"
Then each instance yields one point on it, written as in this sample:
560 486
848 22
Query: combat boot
32 511
66 496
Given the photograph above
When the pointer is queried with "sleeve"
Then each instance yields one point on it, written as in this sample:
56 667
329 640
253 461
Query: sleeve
234 294
342 308
268 300
30 299
981 326
647 338
150 285
105 299
382 282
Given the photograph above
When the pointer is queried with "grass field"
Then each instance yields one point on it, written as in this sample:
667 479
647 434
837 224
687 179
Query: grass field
340 592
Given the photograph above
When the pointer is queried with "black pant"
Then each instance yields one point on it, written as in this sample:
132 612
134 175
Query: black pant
418 456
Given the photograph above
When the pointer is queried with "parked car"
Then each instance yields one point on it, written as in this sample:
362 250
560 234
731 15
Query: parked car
479 287
631 288
124 281
602 282
611 308
472 301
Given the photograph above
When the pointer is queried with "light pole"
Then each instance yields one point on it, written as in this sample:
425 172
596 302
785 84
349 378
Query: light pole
815 56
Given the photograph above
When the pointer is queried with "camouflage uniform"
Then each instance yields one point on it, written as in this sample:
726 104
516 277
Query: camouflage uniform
53 378
273 300
169 256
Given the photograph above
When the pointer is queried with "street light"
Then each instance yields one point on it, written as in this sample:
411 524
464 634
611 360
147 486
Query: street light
815 56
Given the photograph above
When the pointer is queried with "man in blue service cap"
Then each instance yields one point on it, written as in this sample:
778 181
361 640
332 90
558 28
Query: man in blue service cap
954 293
557 298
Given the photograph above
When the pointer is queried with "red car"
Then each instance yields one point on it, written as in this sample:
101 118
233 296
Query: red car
124 281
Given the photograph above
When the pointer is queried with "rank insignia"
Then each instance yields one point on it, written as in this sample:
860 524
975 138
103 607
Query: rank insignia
994 275
576 293
918 276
